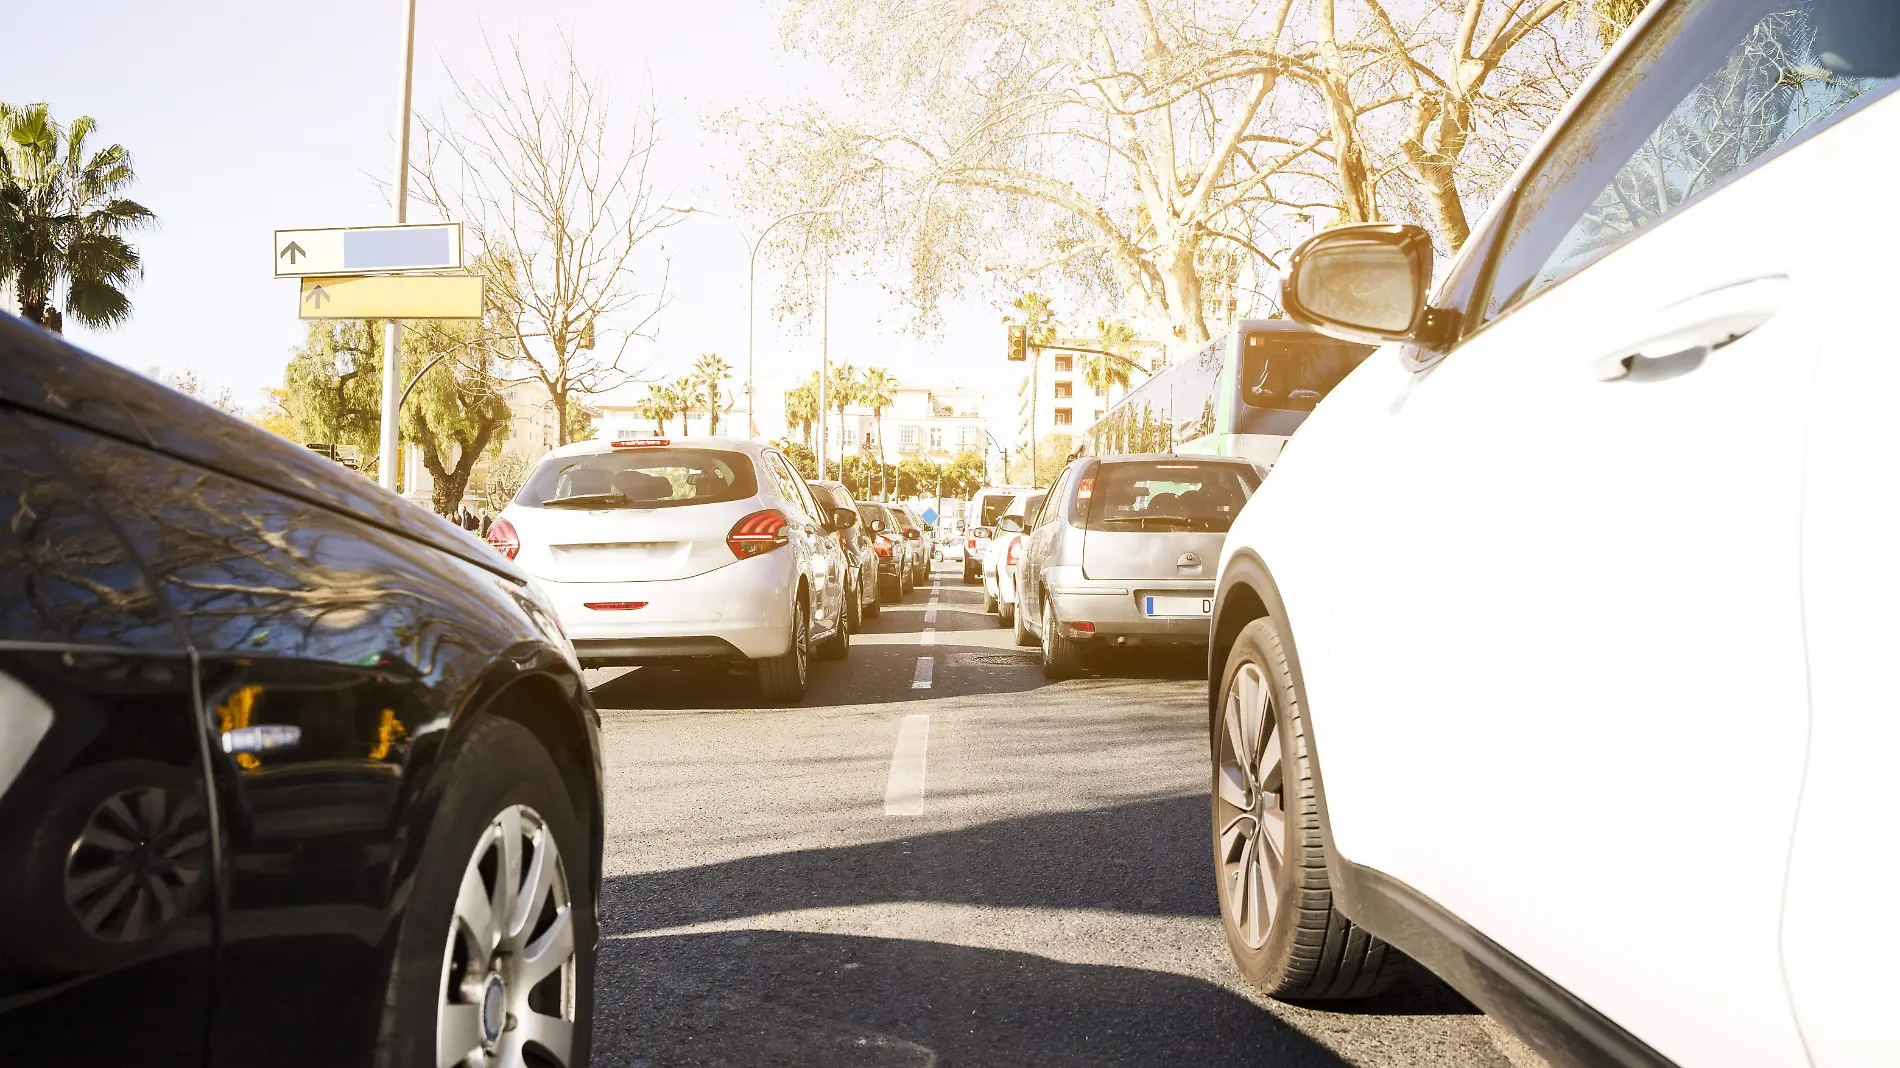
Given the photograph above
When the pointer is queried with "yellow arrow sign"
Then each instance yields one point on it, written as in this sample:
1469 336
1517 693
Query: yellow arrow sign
400 296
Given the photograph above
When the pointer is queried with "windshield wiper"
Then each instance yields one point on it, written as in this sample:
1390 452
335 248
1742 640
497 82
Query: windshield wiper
587 500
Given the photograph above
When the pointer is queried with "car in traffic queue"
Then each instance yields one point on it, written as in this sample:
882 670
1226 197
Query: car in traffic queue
893 551
860 555
672 550
1555 653
979 519
1005 552
1123 552
916 533
274 744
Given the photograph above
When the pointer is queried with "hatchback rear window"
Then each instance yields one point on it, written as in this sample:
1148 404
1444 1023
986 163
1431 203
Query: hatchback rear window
993 507
640 478
1166 495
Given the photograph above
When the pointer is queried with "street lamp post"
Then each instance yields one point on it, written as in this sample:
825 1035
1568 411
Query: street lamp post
751 278
392 329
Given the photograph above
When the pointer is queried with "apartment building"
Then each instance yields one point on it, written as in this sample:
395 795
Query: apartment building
928 422
1054 390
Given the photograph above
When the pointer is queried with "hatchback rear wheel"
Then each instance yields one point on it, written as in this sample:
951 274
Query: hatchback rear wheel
784 677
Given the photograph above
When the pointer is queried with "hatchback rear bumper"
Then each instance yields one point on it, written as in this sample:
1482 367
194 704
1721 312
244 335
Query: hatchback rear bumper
741 610
1115 607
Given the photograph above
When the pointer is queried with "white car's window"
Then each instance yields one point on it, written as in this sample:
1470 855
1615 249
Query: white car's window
640 478
791 488
1709 91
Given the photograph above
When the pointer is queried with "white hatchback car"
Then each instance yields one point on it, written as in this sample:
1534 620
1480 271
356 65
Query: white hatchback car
660 549
1003 552
1556 651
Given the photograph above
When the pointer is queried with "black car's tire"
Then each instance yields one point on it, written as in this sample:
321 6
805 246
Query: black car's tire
854 606
498 767
838 646
1024 636
1005 614
876 607
784 678
1306 949
904 584
1061 656
989 601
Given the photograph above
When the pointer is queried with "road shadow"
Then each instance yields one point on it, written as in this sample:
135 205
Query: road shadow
759 998
1146 857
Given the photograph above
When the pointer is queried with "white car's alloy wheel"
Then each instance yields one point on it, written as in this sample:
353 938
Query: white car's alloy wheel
508 973
1250 817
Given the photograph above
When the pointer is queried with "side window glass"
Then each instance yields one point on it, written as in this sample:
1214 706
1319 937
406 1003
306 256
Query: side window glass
1050 506
788 484
1712 89
65 575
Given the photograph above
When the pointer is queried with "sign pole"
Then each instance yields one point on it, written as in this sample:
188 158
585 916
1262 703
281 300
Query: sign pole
392 330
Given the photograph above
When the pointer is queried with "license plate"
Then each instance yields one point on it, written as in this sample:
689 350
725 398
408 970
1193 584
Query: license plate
1161 604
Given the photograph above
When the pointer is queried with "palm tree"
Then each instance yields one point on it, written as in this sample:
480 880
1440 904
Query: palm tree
843 387
1101 371
62 220
708 372
657 406
801 406
679 401
877 392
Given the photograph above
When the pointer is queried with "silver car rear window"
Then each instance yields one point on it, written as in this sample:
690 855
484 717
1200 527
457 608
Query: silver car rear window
1164 495
643 477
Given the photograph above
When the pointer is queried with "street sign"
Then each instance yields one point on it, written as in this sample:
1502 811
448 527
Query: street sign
368 250
393 296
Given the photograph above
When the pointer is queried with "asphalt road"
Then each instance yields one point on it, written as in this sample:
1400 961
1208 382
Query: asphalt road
1022 878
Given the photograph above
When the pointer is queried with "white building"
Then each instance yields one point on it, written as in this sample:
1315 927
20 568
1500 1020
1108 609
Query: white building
928 422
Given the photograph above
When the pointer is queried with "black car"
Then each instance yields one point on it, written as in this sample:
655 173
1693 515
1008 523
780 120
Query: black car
860 554
291 770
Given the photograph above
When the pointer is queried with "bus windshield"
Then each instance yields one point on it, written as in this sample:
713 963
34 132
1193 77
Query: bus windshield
1294 371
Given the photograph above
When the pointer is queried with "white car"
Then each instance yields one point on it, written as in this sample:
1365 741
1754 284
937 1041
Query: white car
1002 555
1556 651
980 523
659 549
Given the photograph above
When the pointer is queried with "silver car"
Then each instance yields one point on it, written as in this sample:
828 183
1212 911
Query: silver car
1124 551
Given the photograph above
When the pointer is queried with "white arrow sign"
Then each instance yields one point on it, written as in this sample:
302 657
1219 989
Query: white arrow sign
368 250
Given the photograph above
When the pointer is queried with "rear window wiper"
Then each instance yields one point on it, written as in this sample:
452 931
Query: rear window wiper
1144 520
587 500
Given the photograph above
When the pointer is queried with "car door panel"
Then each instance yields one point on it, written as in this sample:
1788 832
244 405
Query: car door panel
1591 658
107 856
333 659
1843 859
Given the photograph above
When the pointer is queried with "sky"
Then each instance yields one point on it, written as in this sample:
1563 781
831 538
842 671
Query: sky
245 117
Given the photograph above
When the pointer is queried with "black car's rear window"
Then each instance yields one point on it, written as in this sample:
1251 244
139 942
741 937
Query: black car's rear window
640 478
1166 495
873 516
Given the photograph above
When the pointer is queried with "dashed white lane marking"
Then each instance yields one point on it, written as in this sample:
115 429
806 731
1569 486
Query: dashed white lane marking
930 614
930 637
925 665
904 792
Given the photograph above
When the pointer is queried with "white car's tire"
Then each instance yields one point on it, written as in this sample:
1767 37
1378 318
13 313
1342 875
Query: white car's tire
989 601
1269 857
783 679
1005 614
1024 636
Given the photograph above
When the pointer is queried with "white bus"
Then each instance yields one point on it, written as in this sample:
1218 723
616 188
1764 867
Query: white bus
1241 395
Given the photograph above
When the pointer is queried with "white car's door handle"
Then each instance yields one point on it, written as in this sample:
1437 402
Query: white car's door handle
1675 340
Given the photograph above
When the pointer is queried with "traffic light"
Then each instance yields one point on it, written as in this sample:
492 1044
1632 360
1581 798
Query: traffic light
1019 343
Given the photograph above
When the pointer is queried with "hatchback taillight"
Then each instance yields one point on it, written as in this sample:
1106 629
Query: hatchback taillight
503 537
757 534
882 545
1015 547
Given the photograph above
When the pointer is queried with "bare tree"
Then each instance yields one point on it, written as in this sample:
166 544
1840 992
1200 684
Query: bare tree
1151 150
558 198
